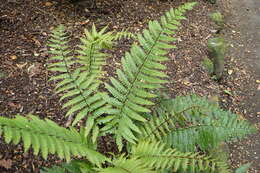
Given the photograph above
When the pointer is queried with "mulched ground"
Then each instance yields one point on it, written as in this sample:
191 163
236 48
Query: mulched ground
24 29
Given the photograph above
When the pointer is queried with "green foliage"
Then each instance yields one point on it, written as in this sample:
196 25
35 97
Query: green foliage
159 157
218 18
142 71
75 166
190 121
217 49
161 135
220 152
123 34
124 165
208 65
244 168
2 74
47 137
80 85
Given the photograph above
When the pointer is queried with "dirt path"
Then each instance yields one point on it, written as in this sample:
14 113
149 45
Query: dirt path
247 19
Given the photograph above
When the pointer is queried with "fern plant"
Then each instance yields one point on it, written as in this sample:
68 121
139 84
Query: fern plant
161 135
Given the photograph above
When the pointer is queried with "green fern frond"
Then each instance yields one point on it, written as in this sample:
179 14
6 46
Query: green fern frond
54 169
190 121
157 156
81 85
47 137
75 166
124 165
141 72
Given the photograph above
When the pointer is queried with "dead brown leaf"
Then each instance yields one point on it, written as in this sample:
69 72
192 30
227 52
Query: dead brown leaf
13 105
13 57
48 4
230 72
37 42
7 164
34 69
21 65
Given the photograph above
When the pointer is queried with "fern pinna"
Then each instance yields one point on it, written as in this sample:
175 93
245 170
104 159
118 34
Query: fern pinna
173 135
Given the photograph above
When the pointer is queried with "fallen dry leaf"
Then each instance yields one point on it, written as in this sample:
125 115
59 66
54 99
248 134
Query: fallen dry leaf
13 57
186 82
21 65
13 105
36 42
230 72
7 164
34 69
48 4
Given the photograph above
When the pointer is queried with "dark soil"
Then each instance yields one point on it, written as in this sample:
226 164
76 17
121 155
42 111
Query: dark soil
24 29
